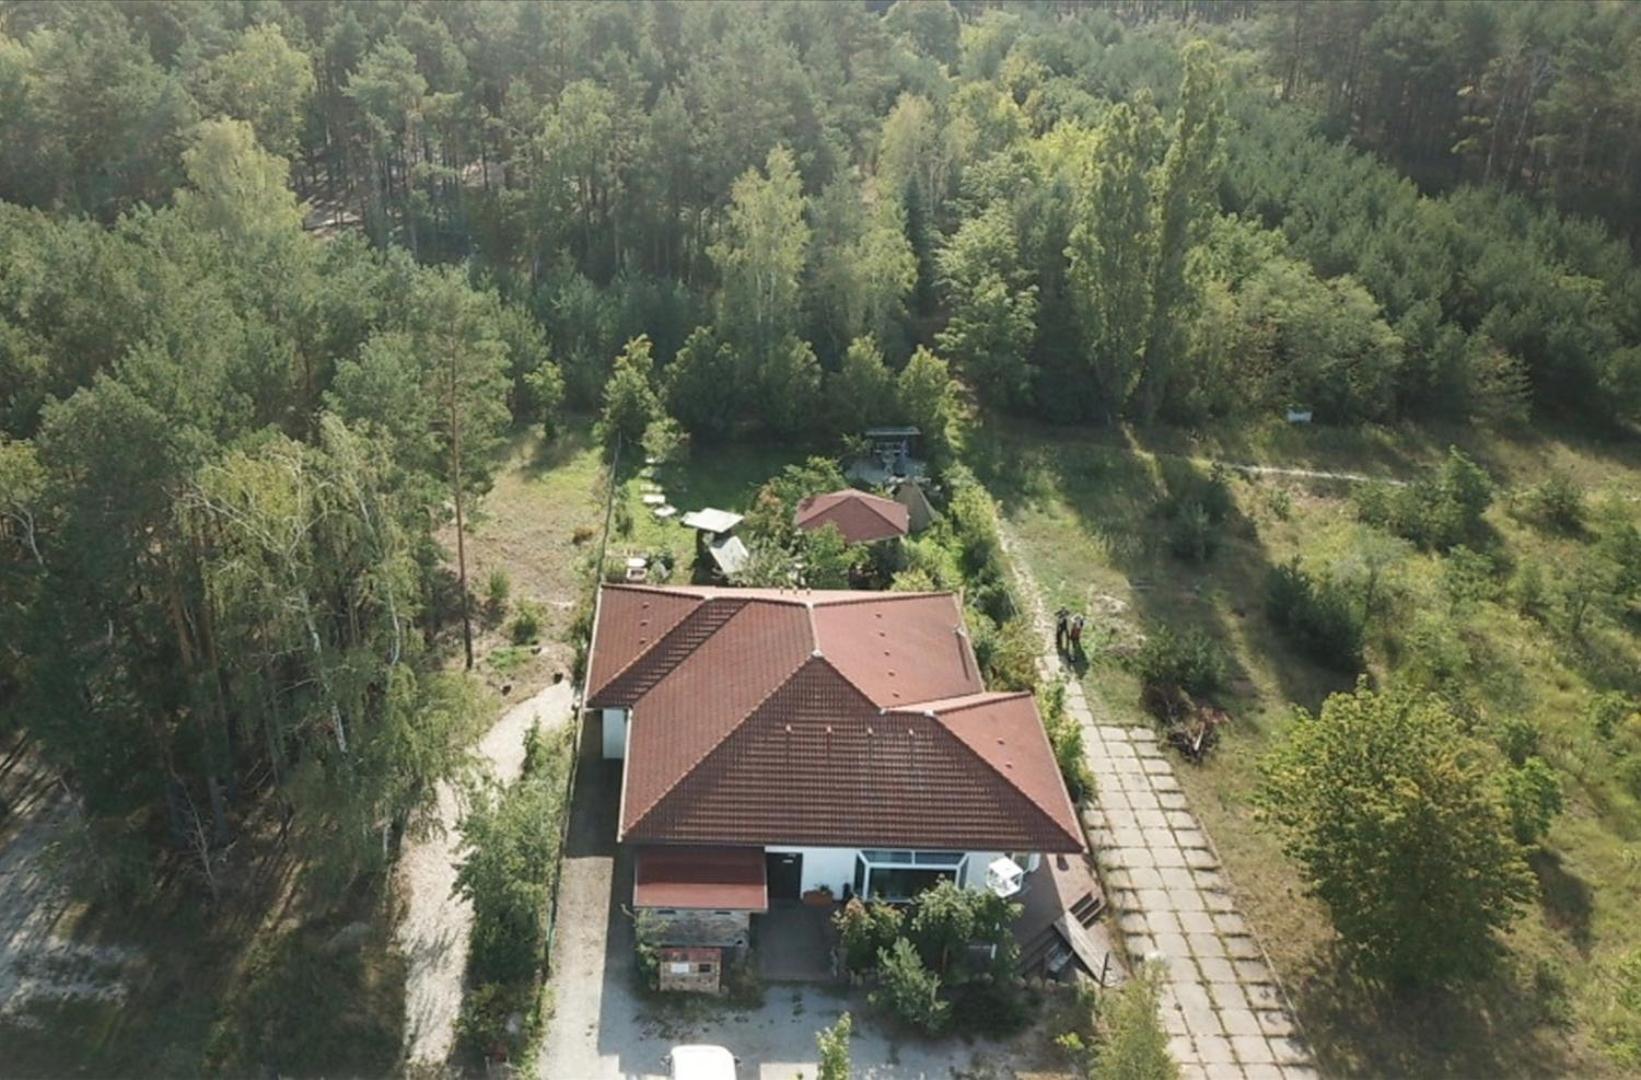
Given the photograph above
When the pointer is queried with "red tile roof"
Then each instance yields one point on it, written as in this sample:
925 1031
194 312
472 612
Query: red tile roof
718 878
861 518
765 716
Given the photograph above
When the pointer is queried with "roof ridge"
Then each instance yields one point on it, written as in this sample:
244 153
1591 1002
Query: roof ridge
684 774
858 596
872 505
1016 788
968 701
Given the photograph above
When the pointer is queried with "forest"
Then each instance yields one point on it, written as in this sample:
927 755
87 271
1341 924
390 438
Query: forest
280 279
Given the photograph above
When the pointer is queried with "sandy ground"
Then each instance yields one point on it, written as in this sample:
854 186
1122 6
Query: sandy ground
37 962
433 933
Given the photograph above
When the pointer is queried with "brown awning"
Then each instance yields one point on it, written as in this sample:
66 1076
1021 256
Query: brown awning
719 878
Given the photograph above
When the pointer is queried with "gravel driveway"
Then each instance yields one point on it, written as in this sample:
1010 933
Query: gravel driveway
433 933
602 1030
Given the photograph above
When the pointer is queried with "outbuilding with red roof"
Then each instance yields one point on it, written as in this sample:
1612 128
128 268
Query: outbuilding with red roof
860 517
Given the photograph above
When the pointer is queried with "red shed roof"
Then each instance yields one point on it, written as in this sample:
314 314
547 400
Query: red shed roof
861 518
763 716
719 878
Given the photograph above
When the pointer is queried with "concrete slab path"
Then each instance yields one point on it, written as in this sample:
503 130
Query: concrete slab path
1226 1015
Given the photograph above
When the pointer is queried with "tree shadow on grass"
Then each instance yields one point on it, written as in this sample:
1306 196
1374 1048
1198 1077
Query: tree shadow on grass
1567 899
1493 1027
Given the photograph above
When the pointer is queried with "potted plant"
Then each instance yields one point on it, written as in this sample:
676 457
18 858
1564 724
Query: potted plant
819 897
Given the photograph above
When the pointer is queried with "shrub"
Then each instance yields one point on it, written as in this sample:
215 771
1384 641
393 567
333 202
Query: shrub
497 588
1065 735
865 931
1194 510
1440 509
909 990
1555 502
1399 825
1532 793
1468 578
1606 711
947 918
509 859
1191 534
1528 589
623 516
526 626
1189 661
1133 1044
834 1049
1315 616
1519 738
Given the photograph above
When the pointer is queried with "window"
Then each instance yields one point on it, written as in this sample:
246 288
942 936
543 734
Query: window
901 875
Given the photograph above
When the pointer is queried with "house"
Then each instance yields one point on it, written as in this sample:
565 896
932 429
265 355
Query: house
776 743
859 517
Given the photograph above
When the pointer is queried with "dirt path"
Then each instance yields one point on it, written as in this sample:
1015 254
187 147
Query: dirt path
433 933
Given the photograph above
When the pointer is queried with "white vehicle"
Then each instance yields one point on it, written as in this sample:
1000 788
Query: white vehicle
700 1063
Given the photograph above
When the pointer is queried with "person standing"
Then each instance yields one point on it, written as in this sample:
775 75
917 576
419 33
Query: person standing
1060 628
1077 638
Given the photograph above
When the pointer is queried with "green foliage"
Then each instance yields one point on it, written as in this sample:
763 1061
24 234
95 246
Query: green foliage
1065 735
545 385
1532 795
833 1043
865 931
946 919
630 403
1132 1042
993 308
1439 510
1468 578
497 588
1555 502
510 855
1607 711
1315 616
1190 661
1195 509
927 400
1394 816
909 990
526 625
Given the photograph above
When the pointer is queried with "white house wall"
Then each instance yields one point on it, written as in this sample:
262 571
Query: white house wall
831 867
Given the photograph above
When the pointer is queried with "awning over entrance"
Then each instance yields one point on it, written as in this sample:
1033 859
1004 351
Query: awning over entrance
715 878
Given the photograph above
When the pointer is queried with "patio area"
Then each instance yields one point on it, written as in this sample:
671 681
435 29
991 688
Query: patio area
794 942
1061 925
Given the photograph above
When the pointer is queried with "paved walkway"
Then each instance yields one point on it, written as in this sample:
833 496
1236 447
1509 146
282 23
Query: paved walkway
1225 1014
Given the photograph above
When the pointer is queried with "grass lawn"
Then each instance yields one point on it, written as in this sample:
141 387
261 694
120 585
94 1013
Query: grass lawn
1084 506
724 477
